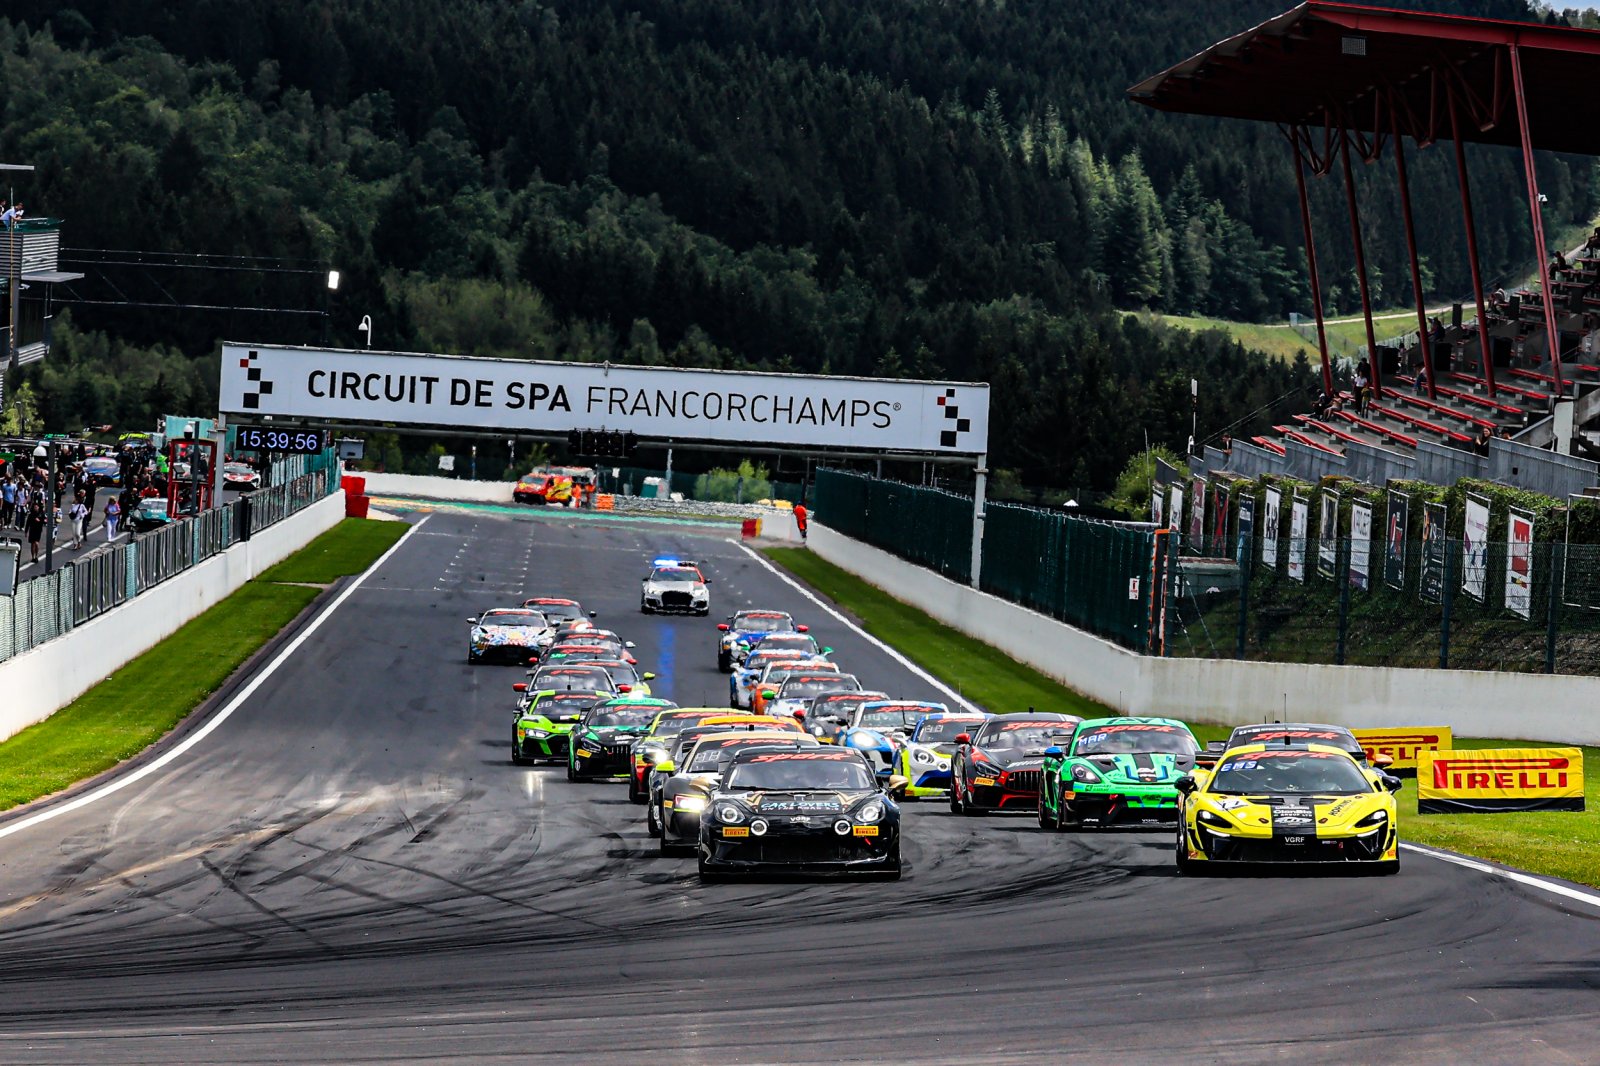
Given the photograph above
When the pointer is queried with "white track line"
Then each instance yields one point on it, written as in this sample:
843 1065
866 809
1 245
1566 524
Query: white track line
217 719
868 637
1510 875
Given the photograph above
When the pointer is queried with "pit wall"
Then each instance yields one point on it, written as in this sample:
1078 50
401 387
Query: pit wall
1555 708
41 681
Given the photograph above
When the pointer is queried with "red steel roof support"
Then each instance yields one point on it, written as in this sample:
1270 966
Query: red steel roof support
1546 297
1485 352
1376 372
1411 252
1311 261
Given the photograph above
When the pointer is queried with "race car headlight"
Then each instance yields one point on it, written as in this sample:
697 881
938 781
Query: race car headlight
730 814
758 828
1207 818
923 756
649 756
532 731
870 812
1375 818
690 804
1087 775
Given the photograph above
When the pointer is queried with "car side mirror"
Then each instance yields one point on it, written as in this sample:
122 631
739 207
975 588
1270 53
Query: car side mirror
768 694
629 644
800 715
1392 783
594 614
648 676
472 621
963 738
624 688
802 629
1382 761
520 686
897 786
722 627
1054 751
827 651
1185 784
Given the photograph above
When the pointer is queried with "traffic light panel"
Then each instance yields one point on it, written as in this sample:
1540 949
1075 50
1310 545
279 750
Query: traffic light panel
604 443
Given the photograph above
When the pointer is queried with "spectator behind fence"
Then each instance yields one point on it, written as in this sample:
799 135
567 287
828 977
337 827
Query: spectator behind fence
11 216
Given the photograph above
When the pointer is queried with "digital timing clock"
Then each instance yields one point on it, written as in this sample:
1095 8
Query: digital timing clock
272 439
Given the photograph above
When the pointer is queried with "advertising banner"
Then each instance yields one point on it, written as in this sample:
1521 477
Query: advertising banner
1328 535
1394 557
1430 587
1175 514
1299 513
1405 744
1493 780
1475 548
1360 546
1197 516
512 395
1519 563
1157 509
1270 517
1247 527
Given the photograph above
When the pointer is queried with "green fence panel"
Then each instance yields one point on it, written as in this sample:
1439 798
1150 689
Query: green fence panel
930 527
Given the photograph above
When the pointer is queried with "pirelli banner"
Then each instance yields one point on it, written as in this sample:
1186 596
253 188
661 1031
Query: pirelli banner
529 396
1404 745
1500 779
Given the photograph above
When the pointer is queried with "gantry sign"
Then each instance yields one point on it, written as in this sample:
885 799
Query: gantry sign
880 416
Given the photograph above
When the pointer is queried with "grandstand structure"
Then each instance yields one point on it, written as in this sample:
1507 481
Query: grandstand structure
1342 80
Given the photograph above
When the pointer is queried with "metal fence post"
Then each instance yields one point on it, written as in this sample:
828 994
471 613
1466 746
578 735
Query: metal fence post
244 518
1341 571
1447 594
1168 594
1555 568
1243 555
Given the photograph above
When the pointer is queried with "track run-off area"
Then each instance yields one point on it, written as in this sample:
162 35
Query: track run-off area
345 866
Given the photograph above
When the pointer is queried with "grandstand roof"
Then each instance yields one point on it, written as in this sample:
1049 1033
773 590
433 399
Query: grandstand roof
1325 62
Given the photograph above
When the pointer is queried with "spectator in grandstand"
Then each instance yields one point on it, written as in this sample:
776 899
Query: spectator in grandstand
1558 263
11 216
1362 387
1481 445
1593 242
1420 381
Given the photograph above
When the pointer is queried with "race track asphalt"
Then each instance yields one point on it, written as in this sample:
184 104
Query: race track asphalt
349 869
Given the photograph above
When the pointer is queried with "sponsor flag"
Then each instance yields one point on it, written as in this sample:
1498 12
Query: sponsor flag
1197 516
1247 526
1328 535
1394 558
1299 513
1475 548
1175 513
1431 585
1270 518
1404 744
1219 520
1360 546
1157 511
1519 564
1492 780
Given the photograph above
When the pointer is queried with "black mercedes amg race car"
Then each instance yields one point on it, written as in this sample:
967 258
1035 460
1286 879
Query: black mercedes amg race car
817 810
998 766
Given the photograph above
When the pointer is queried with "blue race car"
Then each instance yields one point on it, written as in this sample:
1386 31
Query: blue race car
924 759
743 630
880 729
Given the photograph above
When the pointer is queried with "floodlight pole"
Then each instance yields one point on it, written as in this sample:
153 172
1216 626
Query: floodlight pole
1484 352
1361 264
1411 251
1311 265
1546 297
979 502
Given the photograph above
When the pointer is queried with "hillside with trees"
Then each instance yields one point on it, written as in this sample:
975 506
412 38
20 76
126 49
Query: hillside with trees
885 187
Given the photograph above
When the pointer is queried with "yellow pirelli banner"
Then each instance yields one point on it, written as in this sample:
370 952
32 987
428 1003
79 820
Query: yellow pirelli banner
1500 779
1404 744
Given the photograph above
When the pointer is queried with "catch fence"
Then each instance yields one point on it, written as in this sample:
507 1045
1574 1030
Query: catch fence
52 604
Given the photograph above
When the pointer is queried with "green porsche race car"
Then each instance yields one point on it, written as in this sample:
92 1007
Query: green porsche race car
543 726
1116 772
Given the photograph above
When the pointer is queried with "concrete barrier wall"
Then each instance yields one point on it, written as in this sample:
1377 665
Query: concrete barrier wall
1552 708
439 488
41 681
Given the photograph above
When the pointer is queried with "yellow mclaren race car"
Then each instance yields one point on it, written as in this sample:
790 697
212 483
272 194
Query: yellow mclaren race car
1272 803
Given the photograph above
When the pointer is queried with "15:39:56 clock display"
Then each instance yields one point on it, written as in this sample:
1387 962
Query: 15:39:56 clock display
269 439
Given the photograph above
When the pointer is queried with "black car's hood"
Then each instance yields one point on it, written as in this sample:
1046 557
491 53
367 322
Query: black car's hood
802 801
1015 758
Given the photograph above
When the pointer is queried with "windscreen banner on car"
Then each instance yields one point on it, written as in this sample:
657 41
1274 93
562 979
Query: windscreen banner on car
1403 744
1495 780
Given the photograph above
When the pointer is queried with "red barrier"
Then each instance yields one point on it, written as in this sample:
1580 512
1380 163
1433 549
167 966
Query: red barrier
751 528
355 506
353 486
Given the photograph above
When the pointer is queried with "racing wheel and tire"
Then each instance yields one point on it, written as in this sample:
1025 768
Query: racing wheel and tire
725 663
644 608
711 875
516 755
634 795
1048 819
572 775
1388 869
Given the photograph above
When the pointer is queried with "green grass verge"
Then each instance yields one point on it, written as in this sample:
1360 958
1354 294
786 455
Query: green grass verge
1559 844
140 703
348 548
979 672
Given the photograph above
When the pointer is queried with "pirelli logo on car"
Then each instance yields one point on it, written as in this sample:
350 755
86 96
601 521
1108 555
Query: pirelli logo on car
1500 779
1403 745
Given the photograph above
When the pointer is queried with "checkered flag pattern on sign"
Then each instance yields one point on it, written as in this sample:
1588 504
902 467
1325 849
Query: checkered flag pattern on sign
949 437
261 387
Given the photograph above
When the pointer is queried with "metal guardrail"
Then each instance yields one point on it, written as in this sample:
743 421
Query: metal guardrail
50 605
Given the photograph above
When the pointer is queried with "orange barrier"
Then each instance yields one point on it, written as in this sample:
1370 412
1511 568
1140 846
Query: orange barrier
602 502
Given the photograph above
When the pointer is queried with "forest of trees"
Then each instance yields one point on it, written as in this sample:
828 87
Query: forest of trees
887 187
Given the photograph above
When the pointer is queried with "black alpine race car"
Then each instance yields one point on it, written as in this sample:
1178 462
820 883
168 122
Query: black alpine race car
818 810
998 767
